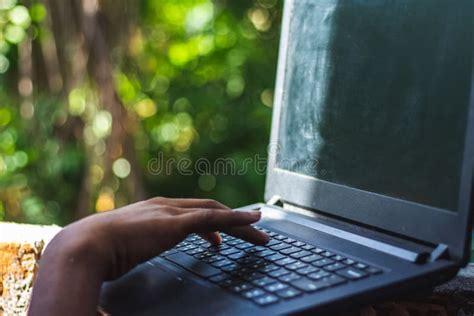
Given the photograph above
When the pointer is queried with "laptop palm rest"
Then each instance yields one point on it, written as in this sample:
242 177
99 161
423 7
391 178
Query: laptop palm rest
156 290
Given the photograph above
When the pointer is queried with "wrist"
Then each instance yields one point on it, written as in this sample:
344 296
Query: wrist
77 249
72 266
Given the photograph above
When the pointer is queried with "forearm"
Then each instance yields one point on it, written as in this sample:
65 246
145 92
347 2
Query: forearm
69 280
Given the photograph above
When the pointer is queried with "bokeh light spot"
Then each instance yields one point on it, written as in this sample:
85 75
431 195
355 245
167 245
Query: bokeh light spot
235 86
19 15
105 201
77 102
102 125
199 17
207 182
121 168
267 97
4 64
145 108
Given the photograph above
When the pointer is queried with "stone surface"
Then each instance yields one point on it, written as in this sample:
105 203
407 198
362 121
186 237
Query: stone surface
20 250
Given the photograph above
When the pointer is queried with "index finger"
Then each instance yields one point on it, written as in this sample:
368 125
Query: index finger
236 223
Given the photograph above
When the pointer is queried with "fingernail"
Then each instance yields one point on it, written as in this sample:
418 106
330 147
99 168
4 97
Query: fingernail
255 214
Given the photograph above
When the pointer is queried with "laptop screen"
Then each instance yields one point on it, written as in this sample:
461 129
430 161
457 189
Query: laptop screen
376 95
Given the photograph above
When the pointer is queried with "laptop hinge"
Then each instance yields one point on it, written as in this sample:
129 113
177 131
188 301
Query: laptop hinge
416 256
274 200
441 251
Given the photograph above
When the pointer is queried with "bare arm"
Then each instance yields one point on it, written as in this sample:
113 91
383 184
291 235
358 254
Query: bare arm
105 246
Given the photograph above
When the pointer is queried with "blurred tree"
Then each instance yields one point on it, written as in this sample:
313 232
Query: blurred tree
93 91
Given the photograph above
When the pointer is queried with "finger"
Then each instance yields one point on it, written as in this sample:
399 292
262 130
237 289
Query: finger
214 238
210 220
190 203
249 233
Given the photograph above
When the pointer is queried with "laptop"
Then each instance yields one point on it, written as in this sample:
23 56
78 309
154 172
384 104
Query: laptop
370 173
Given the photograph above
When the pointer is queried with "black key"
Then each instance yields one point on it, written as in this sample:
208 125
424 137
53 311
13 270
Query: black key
334 280
298 244
265 253
203 255
290 250
308 285
296 265
257 264
352 273
317 250
229 282
252 276
241 271
263 281
278 286
255 250
288 293
235 242
318 275
212 259
349 262
300 254
373 270
239 288
289 240
307 270
217 248
221 263
275 257
226 237
169 252
192 238
201 242
186 248
237 255
338 258
253 293
308 247
360 266
229 251
230 267
219 278
268 268
272 242
279 237
285 261
266 299
278 273
334 267
328 254
280 246
322 263
244 245
311 258
182 244
192 264
247 260
289 277
195 251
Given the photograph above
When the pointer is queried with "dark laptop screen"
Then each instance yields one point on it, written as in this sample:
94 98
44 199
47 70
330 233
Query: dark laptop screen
376 95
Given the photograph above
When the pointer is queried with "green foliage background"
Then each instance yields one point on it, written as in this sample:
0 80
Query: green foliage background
195 77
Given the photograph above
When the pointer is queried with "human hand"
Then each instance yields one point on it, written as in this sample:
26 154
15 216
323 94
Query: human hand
135 233
107 245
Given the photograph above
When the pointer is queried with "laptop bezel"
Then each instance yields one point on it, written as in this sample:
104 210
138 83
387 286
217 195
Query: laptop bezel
414 220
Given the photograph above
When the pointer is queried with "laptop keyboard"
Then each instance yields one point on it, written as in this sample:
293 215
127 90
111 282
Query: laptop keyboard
283 269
